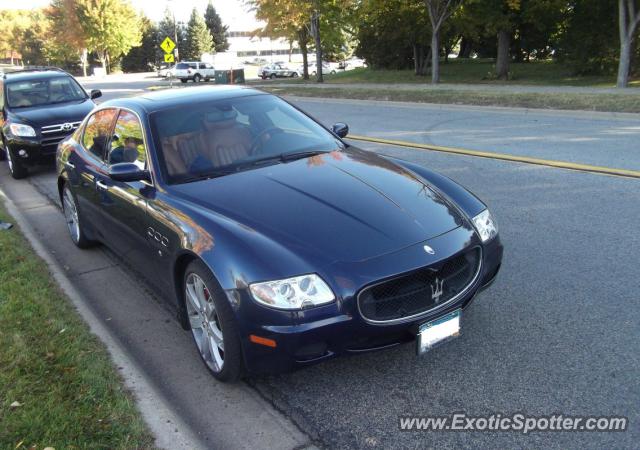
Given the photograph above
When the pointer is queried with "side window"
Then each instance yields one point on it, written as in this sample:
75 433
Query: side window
97 132
127 144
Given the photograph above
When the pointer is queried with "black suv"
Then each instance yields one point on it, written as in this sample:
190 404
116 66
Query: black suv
40 107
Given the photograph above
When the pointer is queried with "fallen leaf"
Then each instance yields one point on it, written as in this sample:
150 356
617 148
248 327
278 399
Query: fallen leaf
19 444
62 331
16 405
49 448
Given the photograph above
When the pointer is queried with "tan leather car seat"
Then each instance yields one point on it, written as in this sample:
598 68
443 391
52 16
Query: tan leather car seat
226 142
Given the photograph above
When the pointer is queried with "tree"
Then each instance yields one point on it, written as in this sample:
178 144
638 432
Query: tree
66 38
216 28
439 11
144 57
289 19
168 27
588 41
111 28
393 34
199 39
628 20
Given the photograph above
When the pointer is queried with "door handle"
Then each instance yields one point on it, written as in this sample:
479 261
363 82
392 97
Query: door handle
102 185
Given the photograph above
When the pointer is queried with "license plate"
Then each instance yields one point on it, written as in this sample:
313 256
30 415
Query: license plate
438 331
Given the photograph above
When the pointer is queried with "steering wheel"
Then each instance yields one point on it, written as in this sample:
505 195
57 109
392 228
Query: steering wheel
256 144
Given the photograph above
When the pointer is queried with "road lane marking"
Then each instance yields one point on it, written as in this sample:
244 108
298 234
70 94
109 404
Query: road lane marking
503 156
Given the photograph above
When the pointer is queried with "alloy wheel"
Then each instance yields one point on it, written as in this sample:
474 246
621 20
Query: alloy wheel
204 322
71 215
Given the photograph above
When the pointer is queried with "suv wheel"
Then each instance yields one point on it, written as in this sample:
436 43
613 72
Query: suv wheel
15 167
197 78
3 150
273 76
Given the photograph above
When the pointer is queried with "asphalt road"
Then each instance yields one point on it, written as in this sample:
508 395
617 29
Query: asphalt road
557 333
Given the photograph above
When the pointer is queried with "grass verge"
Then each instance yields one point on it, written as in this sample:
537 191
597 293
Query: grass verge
570 101
69 393
477 71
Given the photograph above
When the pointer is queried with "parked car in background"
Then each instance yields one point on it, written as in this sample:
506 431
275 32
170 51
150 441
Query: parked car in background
327 68
352 63
276 70
165 71
39 108
232 203
195 71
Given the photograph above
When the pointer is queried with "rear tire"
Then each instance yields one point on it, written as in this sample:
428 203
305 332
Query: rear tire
74 222
17 169
182 80
197 78
294 75
273 76
213 325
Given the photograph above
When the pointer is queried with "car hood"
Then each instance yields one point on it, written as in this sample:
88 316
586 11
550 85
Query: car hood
54 114
345 206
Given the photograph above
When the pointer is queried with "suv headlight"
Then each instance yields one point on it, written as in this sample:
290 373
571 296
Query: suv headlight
18 129
293 293
485 225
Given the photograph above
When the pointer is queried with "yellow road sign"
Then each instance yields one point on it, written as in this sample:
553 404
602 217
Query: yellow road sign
168 58
168 45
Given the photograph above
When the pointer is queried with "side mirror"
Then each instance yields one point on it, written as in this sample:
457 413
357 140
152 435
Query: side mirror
95 93
341 129
128 172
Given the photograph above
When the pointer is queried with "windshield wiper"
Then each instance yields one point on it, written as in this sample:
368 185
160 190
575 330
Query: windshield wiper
204 176
282 157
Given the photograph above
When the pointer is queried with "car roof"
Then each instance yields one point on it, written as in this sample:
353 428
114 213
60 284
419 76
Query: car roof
24 75
168 98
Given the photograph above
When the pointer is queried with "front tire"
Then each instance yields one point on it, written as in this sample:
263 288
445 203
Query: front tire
273 76
18 171
197 78
213 325
72 216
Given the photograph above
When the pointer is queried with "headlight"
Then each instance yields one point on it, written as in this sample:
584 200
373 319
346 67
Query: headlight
485 225
293 293
18 129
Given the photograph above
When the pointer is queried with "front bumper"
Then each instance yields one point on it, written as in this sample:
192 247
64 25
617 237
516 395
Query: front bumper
31 151
306 337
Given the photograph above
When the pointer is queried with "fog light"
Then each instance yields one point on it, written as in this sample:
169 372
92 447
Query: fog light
23 153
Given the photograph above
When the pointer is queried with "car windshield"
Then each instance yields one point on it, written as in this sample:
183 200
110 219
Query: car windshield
226 136
38 92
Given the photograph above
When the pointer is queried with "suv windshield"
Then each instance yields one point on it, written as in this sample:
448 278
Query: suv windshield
225 136
38 92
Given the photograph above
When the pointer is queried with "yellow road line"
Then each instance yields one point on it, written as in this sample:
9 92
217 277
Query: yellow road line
504 157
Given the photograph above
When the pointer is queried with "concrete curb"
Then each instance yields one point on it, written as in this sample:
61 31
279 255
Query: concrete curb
169 429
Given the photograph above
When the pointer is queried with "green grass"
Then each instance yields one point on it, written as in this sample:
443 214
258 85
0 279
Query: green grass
571 101
540 73
71 395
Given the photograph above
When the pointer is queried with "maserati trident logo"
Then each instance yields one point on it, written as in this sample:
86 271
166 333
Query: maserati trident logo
67 126
429 250
436 290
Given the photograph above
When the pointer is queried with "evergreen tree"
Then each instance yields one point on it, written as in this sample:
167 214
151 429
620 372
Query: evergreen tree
145 57
216 28
199 39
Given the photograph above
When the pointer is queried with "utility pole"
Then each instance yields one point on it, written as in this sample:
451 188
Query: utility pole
175 33
315 30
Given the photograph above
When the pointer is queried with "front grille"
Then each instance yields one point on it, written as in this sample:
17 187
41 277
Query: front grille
417 292
60 128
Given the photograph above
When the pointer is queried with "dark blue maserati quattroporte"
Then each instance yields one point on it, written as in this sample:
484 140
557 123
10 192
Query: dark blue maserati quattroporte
279 244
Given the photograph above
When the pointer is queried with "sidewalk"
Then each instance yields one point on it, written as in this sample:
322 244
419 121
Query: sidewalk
180 401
